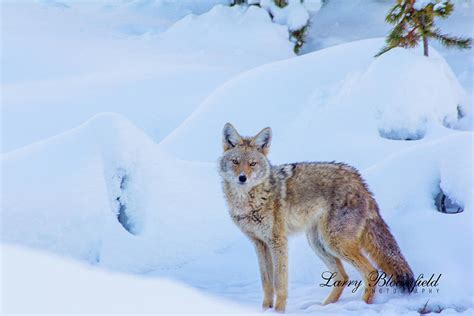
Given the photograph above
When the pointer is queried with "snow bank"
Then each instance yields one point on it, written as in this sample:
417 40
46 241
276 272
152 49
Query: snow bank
313 5
132 18
294 15
188 236
408 92
39 283
73 185
290 96
103 192
236 31
154 78
341 21
444 163
405 186
352 102
326 111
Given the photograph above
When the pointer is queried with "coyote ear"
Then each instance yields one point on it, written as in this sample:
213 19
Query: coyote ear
263 139
230 137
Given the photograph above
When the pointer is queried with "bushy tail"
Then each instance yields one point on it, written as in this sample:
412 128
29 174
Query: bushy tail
383 249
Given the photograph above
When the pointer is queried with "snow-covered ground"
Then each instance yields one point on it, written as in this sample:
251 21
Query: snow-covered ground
84 289
67 64
114 110
341 21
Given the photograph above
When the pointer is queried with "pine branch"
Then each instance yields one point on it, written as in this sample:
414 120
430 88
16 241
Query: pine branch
444 11
451 41
394 15
412 25
396 34
384 50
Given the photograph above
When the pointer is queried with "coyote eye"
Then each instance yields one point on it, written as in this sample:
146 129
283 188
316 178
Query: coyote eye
235 161
253 163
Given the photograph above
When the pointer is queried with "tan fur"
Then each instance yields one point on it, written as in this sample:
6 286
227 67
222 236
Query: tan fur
328 201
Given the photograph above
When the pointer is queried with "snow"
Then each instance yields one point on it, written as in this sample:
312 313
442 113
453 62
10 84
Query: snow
341 21
313 5
111 200
435 93
294 15
243 31
297 17
439 6
92 159
154 78
72 286
421 4
326 98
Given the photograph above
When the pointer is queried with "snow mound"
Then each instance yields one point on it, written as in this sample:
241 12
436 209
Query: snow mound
294 15
283 95
444 163
177 221
40 283
236 30
298 17
75 187
405 186
313 5
104 192
331 103
167 246
155 79
408 92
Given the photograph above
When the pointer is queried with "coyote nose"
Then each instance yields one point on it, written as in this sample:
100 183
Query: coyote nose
242 178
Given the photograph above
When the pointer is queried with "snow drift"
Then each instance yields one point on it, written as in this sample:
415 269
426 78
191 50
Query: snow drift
408 92
155 79
239 31
176 224
323 104
106 192
54 285
84 182
72 210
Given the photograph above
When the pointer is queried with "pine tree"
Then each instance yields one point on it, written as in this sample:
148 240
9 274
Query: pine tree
281 3
414 21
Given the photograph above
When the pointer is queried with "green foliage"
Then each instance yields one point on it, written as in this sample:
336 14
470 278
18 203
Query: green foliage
281 3
299 38
414 22
451 41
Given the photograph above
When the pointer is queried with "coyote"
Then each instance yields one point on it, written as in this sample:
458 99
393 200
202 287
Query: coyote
329 201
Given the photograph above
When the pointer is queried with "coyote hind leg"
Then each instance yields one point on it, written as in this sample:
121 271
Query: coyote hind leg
365 268
333 263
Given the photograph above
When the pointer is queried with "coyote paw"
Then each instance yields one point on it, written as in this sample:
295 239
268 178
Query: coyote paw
368 297
329 300
267 303
280 306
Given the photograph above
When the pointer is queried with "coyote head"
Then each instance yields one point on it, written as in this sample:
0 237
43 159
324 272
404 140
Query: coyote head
244 162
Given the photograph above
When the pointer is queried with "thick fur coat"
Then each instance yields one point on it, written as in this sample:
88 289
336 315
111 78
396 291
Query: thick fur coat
330 202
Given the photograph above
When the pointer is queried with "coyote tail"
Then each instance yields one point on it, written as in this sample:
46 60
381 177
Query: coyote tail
383 249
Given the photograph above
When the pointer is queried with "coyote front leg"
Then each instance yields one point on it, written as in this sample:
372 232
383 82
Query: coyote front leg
266 272
279 252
